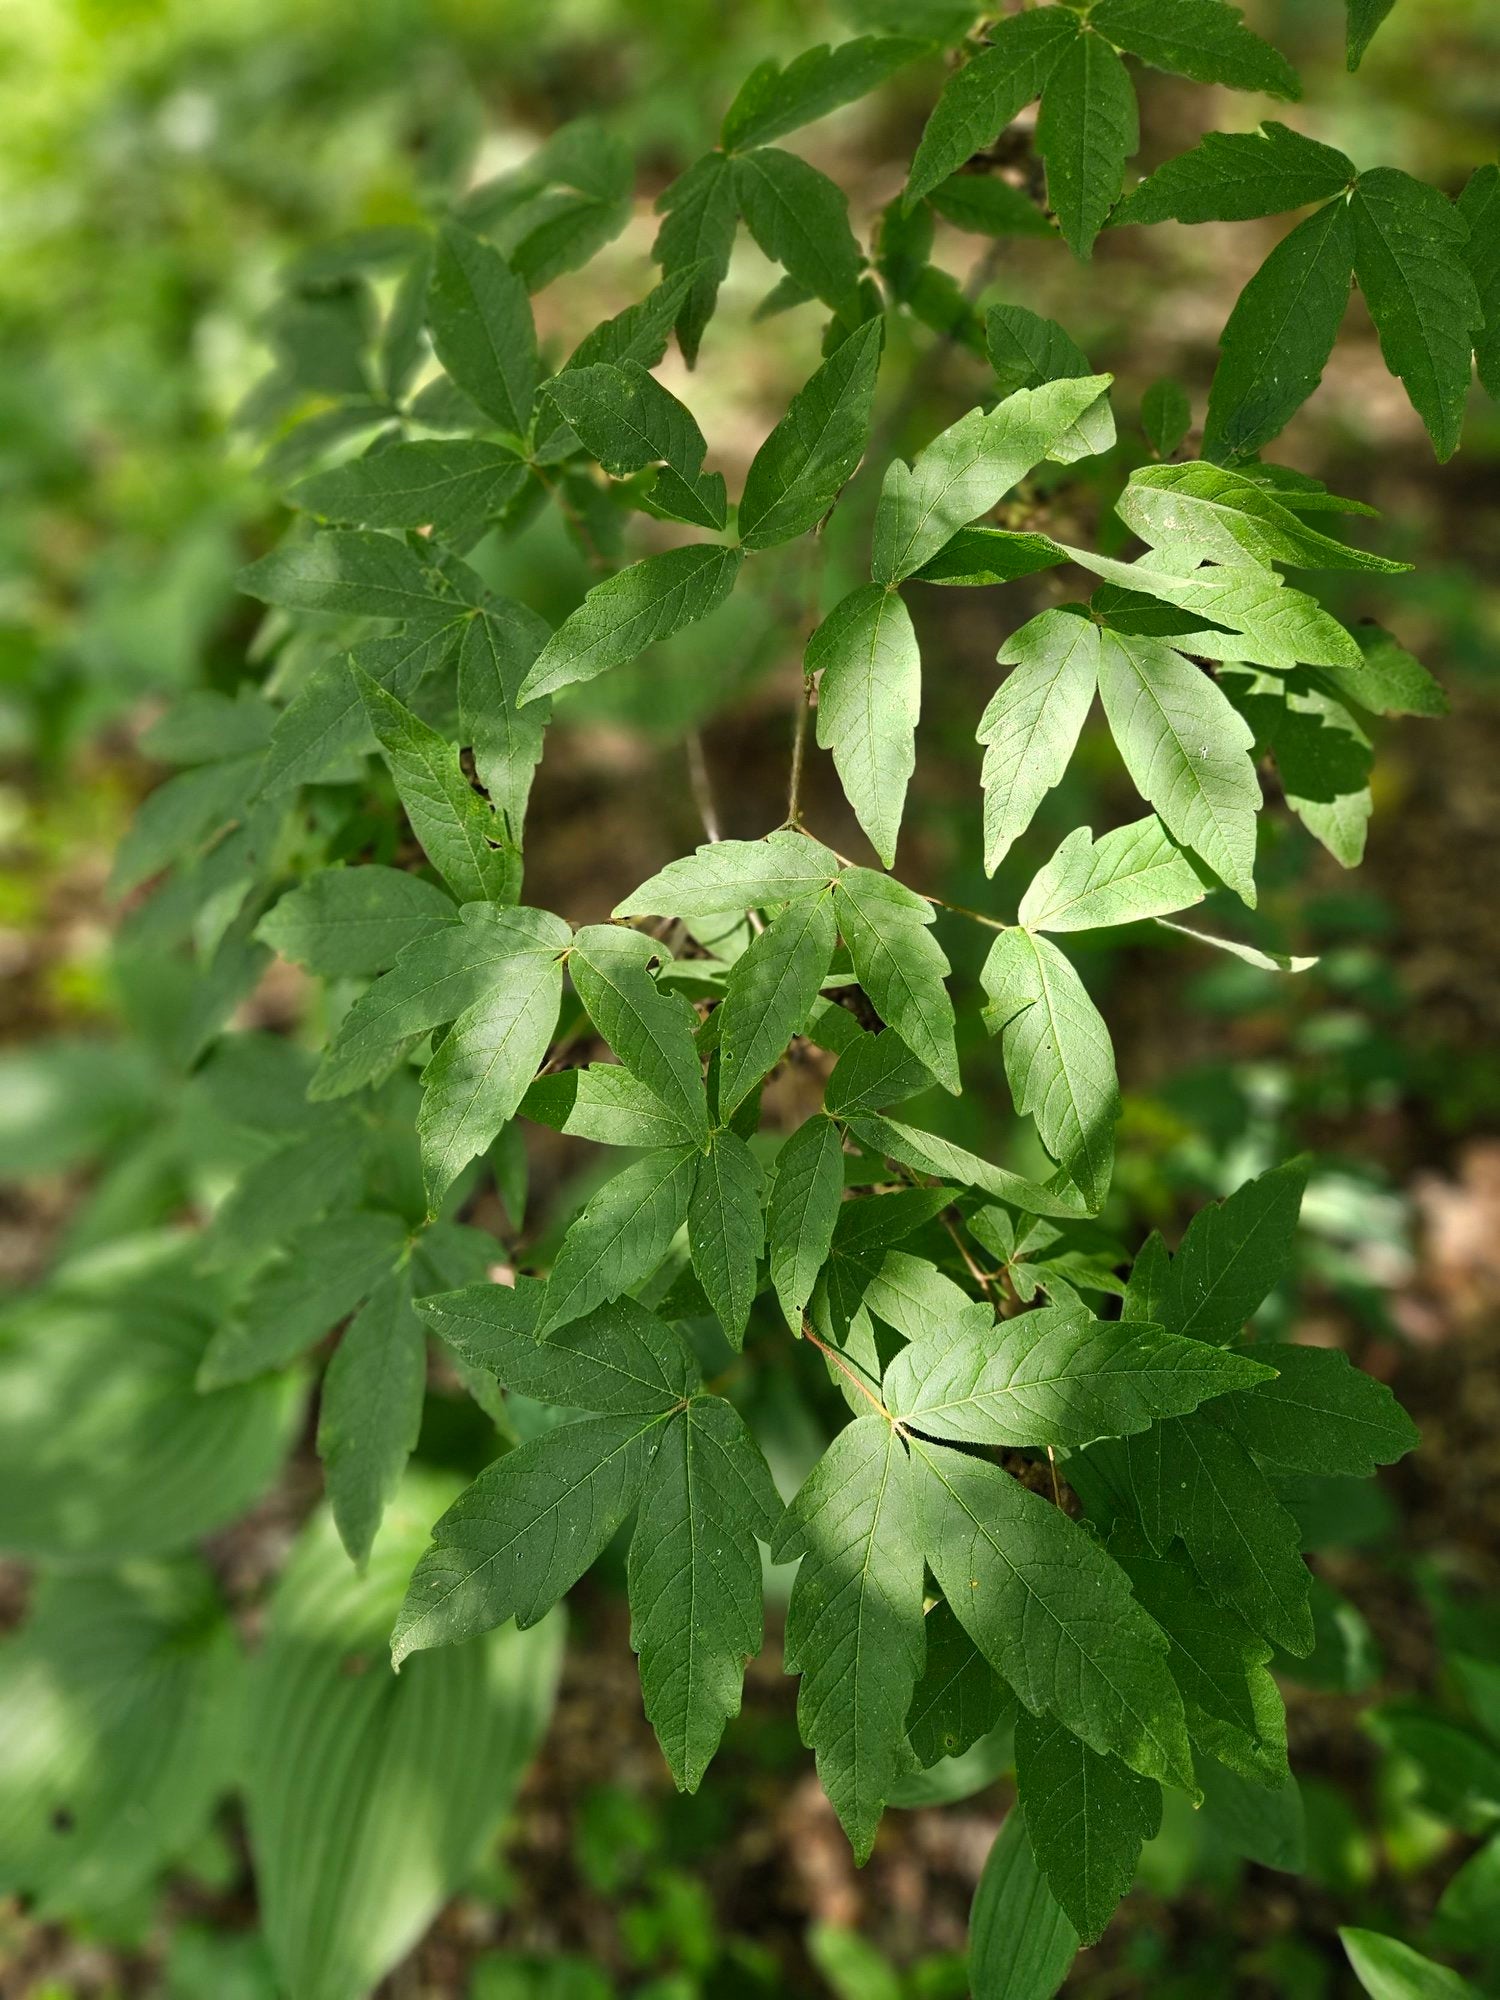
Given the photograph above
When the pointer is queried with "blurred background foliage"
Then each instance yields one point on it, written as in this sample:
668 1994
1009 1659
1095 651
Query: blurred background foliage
162 164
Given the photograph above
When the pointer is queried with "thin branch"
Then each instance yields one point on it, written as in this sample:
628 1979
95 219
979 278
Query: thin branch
832 1354
799 758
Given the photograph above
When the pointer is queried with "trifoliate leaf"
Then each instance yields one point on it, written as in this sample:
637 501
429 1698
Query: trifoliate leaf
807 1187
1203 39
769 991
525 1531
328 1268
650 1031
1320 1414
500 643
480 1070
1277 340
1085 132
453 485
1089 1817
1187 751
1234 1707
340 922
800 219
1059 1060
982 98
900 966
726 875
1409 258
1032 723
1219 516
969 468
349 573
1235 176
801 468
725 1229
700 214
1365 16
1051 1611
1020 1941
371 1410
467 843
960 1697
1055 1377
620 1235
854 1628
869 699
480 317
1136 871
626 420
694 1579
1479 205
772 100
630 611
1234 1254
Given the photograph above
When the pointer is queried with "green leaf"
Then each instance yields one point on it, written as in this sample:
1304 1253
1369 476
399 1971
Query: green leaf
1089 1817
1236 176
1388 681
803 465
480 318
988 206
619 1360
650 1031
450 968
959 1699
620 1235
727 875
1136 871
700 214
1203 39
772 100
1085 132
1322 754
1166 416
1059 1060
1234 1254
523 1533
371 1411
1020 1941
771 986
1056 1377
631 610
605 1103
463 839
327 1269
1025 351
321 1168
1264 1823
1384 1967
874 1072
1479 206
1318 1415
1051 1612
900 966
1409 258
969 468
1263 961
1270 624
500 643
1277 341
1234 1707
869 699
1188 1477
347 572
481 1068
340 922
980 99
121 1699
1219 516
930 1154
626 420
641 332
725 1229
800 220
371 1800
694 1579
1033 722
1187 751
455 485
1365 16
807 1187
854 1629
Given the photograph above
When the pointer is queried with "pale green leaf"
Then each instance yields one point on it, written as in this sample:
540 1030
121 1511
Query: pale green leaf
1388 680
900 965
1025 351
869 698
1384 1967
727 875
930 1154
1033 722
1220 516
770 988
650 1031
500 643
1137 871
605 1103
348 572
